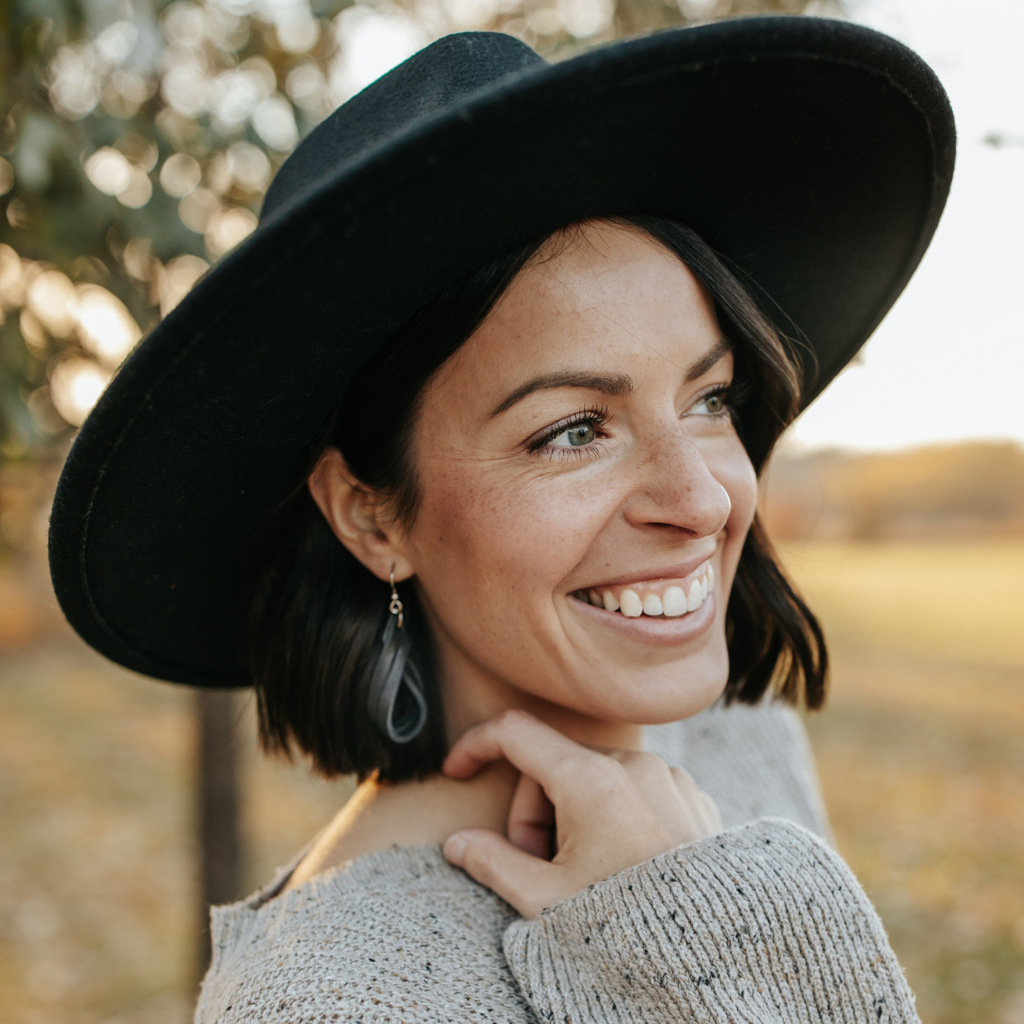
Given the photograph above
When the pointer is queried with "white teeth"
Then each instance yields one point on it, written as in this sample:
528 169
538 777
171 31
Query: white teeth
630 604
674 602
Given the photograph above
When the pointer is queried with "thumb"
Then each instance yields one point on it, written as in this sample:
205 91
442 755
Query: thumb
519 878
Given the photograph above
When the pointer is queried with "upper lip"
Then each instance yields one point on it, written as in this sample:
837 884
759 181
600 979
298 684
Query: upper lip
664 572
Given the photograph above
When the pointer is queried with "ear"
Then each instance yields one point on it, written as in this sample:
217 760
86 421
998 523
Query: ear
357 516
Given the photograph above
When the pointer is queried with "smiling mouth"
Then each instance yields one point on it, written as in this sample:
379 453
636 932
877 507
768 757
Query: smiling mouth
665 599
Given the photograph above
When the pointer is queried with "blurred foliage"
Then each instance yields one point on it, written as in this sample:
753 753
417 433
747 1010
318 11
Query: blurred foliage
137 138
971 489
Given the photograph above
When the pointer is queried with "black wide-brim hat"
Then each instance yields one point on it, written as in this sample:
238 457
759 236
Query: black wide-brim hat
815 155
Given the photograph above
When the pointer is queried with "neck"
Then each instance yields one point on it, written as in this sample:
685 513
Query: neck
419 811
591 732
429 810
472 696
383 814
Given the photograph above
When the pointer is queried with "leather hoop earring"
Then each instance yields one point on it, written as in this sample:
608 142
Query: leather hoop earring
391 671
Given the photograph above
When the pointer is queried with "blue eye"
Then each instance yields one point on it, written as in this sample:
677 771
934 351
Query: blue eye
577 435
713 404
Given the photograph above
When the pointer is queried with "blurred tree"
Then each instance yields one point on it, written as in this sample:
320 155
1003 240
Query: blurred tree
137 138
217 715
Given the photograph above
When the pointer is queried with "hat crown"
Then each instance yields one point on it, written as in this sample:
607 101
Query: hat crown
436 79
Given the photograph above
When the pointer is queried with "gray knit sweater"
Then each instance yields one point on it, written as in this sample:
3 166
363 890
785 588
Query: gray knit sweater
760 924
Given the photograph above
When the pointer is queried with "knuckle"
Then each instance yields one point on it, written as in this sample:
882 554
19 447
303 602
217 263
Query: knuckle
513 717
479 861
609 779
611 769
647 766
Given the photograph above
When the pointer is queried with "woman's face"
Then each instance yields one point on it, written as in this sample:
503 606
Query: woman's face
582 484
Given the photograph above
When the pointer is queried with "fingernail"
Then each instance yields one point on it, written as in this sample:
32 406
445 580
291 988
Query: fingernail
454 848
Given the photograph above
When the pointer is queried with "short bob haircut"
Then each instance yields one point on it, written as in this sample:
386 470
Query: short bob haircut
317 613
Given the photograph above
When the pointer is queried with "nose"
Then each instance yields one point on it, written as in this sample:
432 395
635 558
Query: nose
676 490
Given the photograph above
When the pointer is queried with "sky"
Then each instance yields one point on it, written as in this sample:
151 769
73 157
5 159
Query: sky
947 363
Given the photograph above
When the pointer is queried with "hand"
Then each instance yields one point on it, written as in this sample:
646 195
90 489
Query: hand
608 811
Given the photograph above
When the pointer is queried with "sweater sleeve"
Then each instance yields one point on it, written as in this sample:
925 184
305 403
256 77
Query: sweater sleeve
763 924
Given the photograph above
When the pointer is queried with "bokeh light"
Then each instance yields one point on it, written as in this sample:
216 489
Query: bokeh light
115 42
585 18
249 166
370 43
76 86
179 277
37 341
197 208
307 88
75 387
12 288
109 171
275 123
228 228
180 175
105 327
138 191
51 298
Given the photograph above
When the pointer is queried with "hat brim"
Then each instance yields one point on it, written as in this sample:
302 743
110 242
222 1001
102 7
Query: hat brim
815 155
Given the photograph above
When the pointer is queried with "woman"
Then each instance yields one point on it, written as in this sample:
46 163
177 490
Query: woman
456 461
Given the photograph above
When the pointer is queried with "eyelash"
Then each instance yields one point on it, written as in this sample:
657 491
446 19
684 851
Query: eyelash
595 415
734 394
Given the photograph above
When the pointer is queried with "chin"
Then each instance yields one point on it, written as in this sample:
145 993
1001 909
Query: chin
654 697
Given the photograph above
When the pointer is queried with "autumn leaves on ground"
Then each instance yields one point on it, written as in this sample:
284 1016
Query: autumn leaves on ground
921 754
921 751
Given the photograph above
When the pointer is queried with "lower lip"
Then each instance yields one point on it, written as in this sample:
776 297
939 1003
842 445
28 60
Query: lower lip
655 632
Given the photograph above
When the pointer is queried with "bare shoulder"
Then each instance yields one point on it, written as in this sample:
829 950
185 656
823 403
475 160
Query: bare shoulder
420 812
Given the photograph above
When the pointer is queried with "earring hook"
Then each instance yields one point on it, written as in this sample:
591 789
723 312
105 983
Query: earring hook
396 607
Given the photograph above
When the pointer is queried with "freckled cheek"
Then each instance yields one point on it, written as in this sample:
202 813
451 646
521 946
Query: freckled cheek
737 476
526 534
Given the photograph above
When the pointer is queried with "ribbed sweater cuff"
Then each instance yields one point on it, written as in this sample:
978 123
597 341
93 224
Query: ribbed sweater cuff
760 924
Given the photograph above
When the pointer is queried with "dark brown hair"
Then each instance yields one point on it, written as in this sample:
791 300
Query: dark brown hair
317 613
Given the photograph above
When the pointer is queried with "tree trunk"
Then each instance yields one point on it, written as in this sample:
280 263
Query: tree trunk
217 809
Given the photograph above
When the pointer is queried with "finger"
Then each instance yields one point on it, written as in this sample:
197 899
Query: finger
648 771
531 746
531 819
685 782
526 882
702 805
713 817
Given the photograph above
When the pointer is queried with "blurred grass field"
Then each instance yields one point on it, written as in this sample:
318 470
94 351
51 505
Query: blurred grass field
921 754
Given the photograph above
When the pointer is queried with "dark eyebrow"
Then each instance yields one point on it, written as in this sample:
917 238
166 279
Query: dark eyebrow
709 360
613 384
